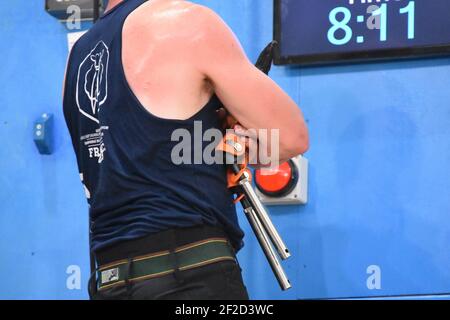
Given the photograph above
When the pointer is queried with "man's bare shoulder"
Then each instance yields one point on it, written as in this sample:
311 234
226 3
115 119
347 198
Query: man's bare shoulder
175 19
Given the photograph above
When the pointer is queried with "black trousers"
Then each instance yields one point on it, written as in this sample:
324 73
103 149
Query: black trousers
216 281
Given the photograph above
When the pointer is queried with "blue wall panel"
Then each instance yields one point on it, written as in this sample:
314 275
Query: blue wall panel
379 170
43 218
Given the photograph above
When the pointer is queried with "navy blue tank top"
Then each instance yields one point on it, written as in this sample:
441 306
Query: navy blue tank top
124 152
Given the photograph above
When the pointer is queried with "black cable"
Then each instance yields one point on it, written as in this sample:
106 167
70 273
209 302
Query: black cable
96 4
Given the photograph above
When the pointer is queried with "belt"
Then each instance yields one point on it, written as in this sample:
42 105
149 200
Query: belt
160 264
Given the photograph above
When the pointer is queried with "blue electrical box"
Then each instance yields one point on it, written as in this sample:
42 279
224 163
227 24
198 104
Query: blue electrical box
43 133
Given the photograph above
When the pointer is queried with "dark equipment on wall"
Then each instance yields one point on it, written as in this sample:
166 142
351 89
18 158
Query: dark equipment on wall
89 10
96 10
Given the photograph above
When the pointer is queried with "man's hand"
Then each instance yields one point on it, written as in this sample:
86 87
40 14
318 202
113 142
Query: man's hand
251 141
247 136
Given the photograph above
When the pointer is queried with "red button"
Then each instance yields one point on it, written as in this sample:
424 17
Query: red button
276 182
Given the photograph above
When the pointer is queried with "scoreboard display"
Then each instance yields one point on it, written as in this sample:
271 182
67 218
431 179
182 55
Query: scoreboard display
333 31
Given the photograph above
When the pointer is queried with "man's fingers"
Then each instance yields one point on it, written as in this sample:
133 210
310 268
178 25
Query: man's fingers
241 131
228 121
222 113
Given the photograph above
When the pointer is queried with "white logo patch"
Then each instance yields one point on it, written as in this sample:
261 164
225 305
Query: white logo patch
110 275
92 82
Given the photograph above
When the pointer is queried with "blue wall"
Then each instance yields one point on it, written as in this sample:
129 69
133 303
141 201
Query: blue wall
379 170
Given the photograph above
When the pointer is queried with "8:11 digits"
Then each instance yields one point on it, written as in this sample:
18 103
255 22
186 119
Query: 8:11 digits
379 19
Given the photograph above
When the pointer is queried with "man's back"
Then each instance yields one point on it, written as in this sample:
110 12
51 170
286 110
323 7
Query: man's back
125 153
158 62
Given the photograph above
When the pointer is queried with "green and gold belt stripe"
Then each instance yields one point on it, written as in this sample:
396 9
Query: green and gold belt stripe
159 264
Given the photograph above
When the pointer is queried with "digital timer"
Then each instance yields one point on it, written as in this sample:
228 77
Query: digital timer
378 16
312 32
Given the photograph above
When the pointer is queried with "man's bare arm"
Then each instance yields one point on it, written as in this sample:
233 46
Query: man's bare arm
255 100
